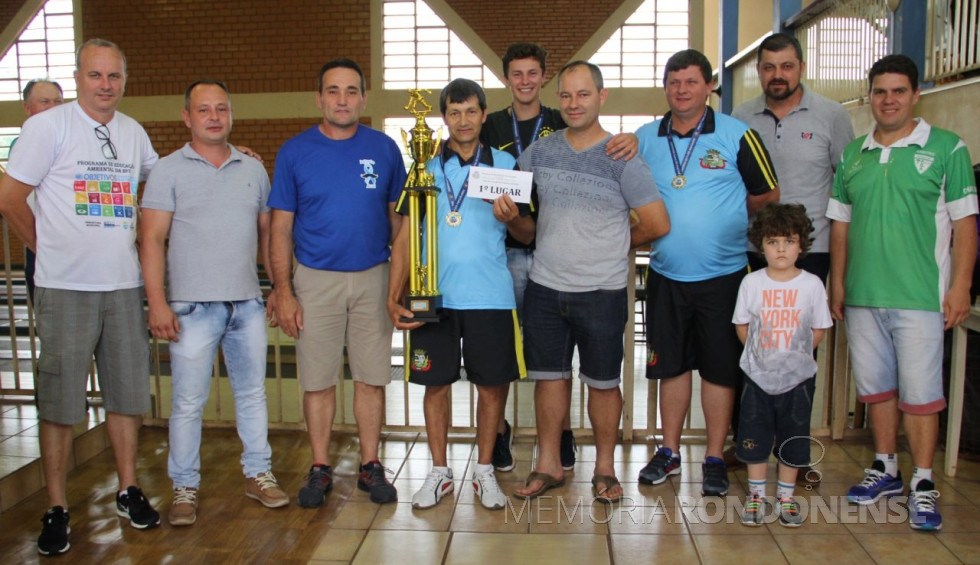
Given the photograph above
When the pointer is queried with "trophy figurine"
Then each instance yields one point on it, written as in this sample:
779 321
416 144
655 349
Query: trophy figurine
423 300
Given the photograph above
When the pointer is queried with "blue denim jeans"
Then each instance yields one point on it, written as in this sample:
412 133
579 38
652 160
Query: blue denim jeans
556 322
239 327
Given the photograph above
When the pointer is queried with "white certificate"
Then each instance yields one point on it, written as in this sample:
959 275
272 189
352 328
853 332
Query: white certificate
489 184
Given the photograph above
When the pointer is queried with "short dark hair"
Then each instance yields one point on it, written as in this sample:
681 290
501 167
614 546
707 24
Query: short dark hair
684 59
343 63
778 42
214 81
98 42
898 64
525 51
781 220
461 90
30 86
593 68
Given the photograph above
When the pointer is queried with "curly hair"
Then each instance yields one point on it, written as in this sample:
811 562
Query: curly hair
781 220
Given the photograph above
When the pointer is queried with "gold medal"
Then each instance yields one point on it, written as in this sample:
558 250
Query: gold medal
453 219
678 182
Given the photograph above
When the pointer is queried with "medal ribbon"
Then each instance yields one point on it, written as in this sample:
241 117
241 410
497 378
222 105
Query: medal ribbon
517 134
455 202
680 167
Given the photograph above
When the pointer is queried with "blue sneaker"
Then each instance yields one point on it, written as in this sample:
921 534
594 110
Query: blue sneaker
922 507
715 477
876 484
660 467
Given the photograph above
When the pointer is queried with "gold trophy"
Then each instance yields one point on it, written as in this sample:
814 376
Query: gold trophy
423 298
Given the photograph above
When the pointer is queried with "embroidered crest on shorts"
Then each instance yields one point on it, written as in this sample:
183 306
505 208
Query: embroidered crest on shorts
652 358
420 360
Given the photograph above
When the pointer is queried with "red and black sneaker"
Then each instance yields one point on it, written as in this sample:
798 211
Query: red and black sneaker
373 480
318 483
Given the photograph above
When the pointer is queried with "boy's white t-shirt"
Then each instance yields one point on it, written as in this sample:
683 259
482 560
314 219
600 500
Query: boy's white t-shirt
86 203
778 352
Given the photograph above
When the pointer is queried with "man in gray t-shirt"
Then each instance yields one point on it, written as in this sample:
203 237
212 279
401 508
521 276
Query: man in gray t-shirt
577 292
211 201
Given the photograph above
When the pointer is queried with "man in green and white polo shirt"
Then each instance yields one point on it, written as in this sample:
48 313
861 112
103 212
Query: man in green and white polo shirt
901 194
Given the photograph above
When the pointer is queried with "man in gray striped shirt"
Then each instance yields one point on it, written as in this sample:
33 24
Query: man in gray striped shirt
577 290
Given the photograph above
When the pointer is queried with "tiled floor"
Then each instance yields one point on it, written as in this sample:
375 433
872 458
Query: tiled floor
20 466
669 521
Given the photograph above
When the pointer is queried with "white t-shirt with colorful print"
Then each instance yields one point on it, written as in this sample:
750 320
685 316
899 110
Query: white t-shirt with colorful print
86 201
781 316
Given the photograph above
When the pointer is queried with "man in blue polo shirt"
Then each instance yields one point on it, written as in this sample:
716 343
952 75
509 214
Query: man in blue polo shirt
477 293
333 200
713 173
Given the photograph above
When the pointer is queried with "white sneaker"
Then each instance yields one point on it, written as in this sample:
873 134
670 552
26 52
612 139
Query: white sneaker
486 487
436 486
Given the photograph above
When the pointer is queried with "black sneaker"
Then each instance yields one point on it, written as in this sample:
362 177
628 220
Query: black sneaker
502 458
715 481
54 533
318 483
568 449
133 505
662 465
373 480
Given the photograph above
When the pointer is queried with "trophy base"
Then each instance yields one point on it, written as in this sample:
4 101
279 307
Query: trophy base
426 309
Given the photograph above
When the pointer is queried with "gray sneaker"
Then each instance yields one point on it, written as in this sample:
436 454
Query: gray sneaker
663 465
789 513
754 512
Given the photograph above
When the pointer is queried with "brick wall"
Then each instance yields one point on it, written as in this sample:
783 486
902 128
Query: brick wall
265 137
8 9
254 46
560 26
259 46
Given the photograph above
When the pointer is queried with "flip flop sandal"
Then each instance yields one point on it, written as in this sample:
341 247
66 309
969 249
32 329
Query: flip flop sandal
547 483
601 484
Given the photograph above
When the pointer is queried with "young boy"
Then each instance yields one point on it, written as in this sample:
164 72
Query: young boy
780 316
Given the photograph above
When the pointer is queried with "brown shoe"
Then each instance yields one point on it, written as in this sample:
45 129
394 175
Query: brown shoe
731 461
264 488
183 511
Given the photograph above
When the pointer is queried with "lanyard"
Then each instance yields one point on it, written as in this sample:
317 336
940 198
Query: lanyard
454 218
679 179
517 134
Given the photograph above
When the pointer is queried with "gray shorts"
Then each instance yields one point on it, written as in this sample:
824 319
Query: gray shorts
73 325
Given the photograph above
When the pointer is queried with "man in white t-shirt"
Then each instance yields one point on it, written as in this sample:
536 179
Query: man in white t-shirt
84 162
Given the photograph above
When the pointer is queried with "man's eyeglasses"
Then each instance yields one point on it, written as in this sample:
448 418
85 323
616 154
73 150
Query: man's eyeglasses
108 149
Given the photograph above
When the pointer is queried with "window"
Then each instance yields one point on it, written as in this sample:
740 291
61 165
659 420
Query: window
45 49
636 54
842 48
625 124
420 51
394 126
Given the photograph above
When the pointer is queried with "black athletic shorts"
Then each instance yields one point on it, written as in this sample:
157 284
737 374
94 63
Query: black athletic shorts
491 346
689 326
